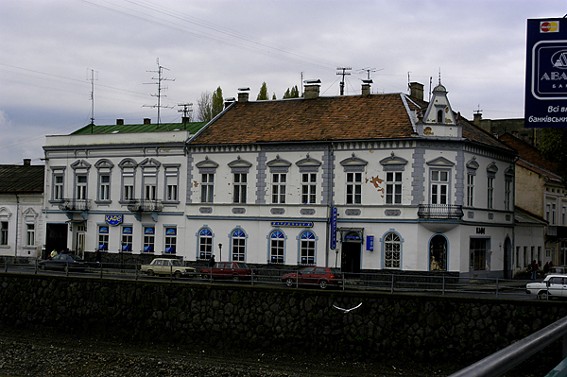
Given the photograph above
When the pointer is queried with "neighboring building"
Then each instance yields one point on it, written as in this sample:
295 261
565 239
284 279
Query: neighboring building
21 202
369 182
541 192
117 188
513 126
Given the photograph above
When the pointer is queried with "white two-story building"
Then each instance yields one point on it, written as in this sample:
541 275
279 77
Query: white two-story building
366 182
118 188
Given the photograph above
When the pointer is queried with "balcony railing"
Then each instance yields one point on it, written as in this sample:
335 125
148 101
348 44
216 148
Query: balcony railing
440 211
145 206
75 205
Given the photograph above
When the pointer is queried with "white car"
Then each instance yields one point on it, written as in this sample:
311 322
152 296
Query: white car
166 266
553 285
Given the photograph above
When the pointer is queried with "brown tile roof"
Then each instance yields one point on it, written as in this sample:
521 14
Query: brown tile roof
20 179
319 119
528 152
378 116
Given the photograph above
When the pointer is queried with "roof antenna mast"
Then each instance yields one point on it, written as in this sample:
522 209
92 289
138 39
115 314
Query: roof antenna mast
157 81
92 80
343 72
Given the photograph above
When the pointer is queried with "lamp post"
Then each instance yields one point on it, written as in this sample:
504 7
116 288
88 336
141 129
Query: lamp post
220 252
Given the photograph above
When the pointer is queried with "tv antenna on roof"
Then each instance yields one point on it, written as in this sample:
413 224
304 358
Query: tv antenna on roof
343 72
157 82
92 80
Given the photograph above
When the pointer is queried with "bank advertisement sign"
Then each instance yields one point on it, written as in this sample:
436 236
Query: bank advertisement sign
546 73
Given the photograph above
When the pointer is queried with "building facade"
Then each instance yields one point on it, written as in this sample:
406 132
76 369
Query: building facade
369 182
21 203
118 189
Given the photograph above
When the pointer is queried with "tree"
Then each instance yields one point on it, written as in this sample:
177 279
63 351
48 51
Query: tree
217 102
263 95
552 142
291 93
205 107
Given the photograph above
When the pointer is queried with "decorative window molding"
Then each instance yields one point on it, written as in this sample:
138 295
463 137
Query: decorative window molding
308 165
393 163
491 170
354 164
239 166
278 165
207 166
440 162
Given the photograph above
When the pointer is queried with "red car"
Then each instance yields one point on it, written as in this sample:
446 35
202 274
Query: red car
321 276
227 270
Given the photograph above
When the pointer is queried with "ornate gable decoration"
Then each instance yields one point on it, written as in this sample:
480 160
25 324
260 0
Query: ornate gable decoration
439 110
354 164
441 162
491 170
472 164
279 165
308 164
150 162
239 165
81 165
207 166
128 163
393 163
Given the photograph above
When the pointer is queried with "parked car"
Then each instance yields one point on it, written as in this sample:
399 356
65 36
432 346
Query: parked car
321 276
552 286
228 270
63 262
167 267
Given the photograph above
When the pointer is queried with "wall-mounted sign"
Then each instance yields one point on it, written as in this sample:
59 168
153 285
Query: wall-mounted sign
546 73
114 219
292 224
333 232
370 243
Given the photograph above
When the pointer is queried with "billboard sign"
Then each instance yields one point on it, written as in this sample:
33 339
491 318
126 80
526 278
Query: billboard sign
546 73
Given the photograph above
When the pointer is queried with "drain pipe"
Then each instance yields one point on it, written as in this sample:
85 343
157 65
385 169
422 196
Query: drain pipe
17 225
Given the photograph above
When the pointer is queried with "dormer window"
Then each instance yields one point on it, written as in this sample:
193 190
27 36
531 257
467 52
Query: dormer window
439 116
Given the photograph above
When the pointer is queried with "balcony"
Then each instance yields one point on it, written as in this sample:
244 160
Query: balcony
75 205
141 206
440 211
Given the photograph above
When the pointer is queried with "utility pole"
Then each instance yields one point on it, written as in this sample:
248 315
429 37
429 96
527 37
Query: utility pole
343 72
157 82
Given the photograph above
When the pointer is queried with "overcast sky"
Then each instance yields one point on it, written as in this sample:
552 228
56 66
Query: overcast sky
49 48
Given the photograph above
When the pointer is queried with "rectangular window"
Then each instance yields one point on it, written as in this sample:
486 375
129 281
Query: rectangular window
278 188
170 240
478 248
394 188
205 246
4 233
103 237
149 239
30 234
563 215
508 194
553 215
547 212
307 252
128 184
238 249
171 184
490 193
104 187
207 187
58 186
126 238
81 187
439 187
354 188
308 188
470 190
240 185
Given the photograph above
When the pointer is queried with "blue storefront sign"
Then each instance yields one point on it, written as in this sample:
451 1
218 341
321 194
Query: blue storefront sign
114 219
370 243
333 230
546 73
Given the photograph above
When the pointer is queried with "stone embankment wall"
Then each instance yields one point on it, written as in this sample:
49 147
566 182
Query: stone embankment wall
291 320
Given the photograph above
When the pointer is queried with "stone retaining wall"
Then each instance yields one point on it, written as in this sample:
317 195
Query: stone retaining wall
291 320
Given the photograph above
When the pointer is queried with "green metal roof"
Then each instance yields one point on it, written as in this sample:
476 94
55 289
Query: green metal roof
92 129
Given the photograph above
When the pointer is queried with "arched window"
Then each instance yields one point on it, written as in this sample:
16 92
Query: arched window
205 243
277 247
238 238
392 250
307 248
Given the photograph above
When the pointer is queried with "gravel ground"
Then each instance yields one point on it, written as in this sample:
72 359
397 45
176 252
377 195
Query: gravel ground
23 353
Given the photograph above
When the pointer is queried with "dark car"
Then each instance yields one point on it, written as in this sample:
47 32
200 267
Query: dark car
63 262
319 276
227 270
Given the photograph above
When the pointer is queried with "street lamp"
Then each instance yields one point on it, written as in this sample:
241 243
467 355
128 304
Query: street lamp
220 252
